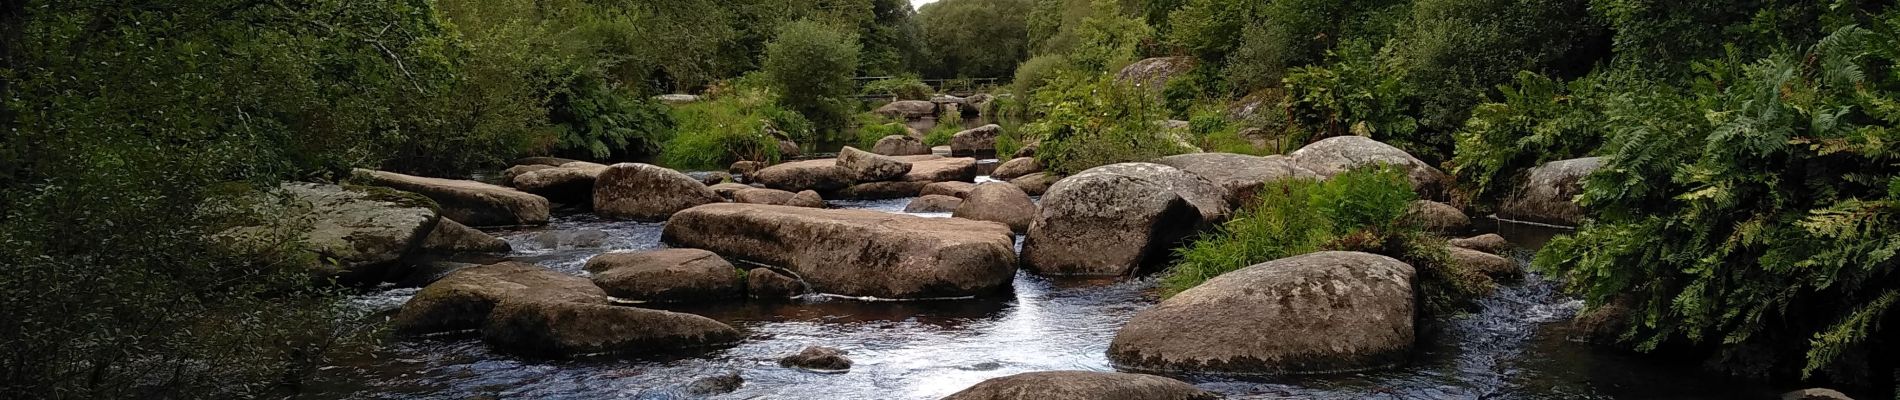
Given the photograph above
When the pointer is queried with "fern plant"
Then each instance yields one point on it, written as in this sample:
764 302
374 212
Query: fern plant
1773 186
1539 120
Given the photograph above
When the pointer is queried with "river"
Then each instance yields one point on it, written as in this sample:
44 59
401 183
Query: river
1514 346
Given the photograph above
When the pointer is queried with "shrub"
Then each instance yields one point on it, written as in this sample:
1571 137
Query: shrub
597 120
1036 72
1775 184
1454 51
1361 210
975 38
1294 33
1094 121
713 134
900 88
811 65
940 135
1539 120
1362 92
872 127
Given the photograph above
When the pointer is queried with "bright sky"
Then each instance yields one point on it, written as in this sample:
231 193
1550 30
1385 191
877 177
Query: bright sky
920 3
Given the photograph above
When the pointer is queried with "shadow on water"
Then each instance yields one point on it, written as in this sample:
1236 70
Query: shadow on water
1515 346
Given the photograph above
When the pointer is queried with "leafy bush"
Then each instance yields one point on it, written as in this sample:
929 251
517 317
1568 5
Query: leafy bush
811 65
940 135
901 88
1107 40
715 133
1209 29
596 120
1294 33
1454 51
1540 120
1775 185
1361 210
1090 121
872 127
1362 92
975 38
1036 72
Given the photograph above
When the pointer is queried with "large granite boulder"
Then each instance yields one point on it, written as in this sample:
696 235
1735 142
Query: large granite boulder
1016 168
667 275
822 175
1550 192
1326 312
1154 73
941 169
1492 265
647 192
559 328
1241 175
933 203
998 202
469 202
1337 155
450 237
856 252
979 142
871 167
508 175
762 196
359 233
559 184
1489 243
908 109
463 299
1119 219
900 145
1082 385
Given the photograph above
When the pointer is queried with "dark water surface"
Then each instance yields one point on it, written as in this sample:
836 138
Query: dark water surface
1514 346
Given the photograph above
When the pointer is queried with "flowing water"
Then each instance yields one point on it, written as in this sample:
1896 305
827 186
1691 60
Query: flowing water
1514 346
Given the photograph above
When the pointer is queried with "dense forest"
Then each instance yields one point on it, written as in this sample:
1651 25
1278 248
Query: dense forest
1748 216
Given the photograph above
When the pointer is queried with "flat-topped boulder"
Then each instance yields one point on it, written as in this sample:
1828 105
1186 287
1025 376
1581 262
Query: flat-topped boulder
1115 220
1549 193
856 252
469 202
762 196
450 237
462 299
727 190
822 175
998 202
908 109
666 275
571 183
1492 265
942 170
1490 243
1326 312
1240 175
871 167
1082 385
900 145
358 233
555 328
1016 168
952 189
1334 156
979 142
647 192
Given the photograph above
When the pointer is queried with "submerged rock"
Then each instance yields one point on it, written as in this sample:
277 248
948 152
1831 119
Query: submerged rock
817 358
764 283
1240 175
856 252
1324 312
1119 219
1549 193
998 202
469 202
1337 155
647 192
716 384
933 203
667 275
1082 385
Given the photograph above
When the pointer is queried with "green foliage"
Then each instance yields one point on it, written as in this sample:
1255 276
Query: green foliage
1772 182
1209 29
872 127
811 65
1454 51
596 120
1668 35
1539 120
1107 40
1362 92
901 88
731 127
1294 33
975 38
1090 121
1361 210
1036 72
940 135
